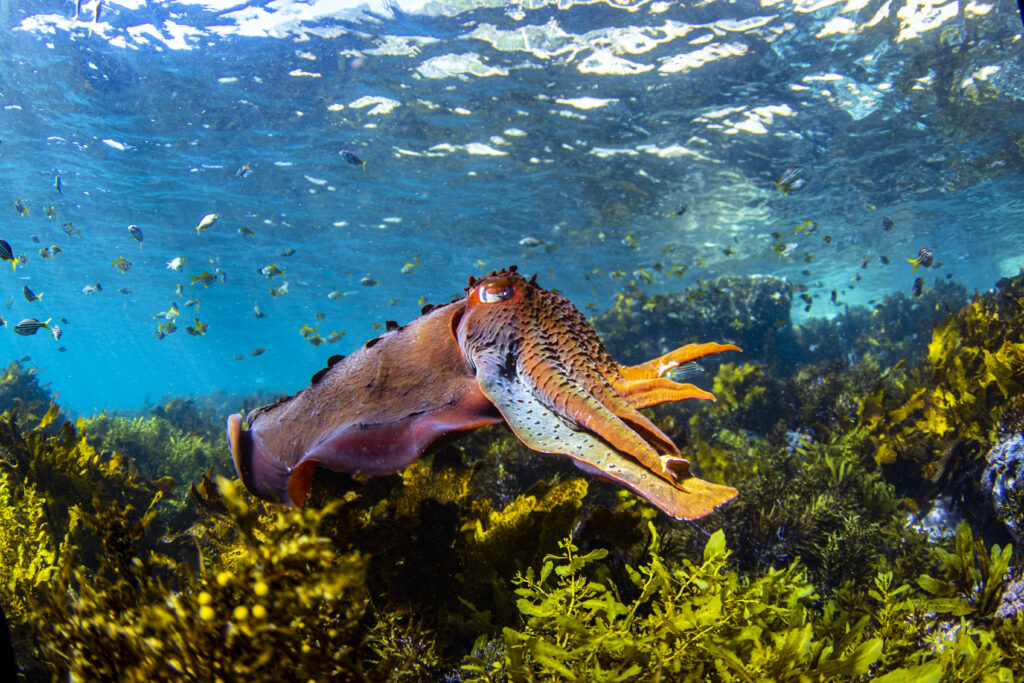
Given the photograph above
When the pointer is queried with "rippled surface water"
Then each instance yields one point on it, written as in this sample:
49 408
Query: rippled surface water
583 125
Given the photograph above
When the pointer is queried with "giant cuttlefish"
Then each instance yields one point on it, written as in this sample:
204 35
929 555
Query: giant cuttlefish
508 351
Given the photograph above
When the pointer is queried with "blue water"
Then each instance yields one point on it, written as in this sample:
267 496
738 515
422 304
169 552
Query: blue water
583 125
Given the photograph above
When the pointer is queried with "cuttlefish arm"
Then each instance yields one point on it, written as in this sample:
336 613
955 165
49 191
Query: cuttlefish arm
546 371
372 413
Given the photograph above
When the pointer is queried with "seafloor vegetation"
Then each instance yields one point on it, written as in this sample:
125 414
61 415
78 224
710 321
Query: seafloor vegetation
878 457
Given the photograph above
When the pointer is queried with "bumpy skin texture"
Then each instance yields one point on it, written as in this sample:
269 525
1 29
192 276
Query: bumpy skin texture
510 351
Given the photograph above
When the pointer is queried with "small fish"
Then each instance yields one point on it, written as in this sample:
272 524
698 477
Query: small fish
288 251
864 262
136 232
244 171
352 158
91 289
887 224
29 326
177 290
681 209
924 258
257 312
44 252
279 291
336 295
315 340
170 314
70 231
792 180
270 271
884 260
176 263
207 220
258 351
809 226
34 238
192 302
685 371
306 330
239 356
126 291
51 212
827 239
20 205
368 281
7 254
57 332
30 296
530 242
122 264
57 184
197 330
2 322
319 316
205 278
917 287
411 266
246 231
335 336
728 252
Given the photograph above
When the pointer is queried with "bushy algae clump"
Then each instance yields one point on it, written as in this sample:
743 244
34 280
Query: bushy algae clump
486 562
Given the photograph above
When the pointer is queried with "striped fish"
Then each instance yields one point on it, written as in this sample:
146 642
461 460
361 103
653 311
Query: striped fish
29 326
7 255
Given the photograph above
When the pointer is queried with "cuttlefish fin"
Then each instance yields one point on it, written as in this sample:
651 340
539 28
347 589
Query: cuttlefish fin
543 430
260 472
644 385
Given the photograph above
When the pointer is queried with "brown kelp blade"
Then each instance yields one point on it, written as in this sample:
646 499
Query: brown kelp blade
543 430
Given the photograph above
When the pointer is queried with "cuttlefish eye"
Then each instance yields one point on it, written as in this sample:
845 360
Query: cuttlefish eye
494 291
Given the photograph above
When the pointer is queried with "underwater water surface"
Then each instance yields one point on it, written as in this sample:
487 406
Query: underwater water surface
204 202
579 127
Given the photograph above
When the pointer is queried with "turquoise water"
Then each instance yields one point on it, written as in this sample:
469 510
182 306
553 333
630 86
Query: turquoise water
581 125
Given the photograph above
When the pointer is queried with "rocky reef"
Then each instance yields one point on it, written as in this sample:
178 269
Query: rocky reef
128 552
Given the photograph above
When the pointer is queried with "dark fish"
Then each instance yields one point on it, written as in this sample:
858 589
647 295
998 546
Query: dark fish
887 224
57 184
681 209
351 158
30 326
30 296
136 232
884 260
917 287
793 179
7 255
19 204
243 171
287 251
258 351
69 229
864 262
367 281
239 356
924 258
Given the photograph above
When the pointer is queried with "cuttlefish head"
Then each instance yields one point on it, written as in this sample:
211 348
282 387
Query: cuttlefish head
545 369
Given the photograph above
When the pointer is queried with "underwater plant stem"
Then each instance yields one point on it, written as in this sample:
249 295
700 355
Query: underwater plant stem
8 665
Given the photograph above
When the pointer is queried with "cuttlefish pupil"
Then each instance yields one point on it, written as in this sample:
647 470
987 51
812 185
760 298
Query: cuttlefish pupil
533 362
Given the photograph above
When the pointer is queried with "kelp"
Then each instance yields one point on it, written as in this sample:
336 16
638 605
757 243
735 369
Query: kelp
485 561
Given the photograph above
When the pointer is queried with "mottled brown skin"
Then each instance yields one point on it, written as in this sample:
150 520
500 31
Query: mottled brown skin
510 351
